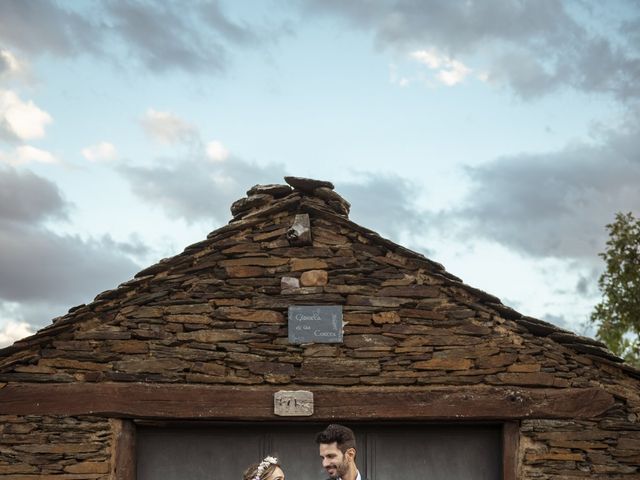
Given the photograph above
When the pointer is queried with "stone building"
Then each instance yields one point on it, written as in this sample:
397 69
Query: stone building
290 317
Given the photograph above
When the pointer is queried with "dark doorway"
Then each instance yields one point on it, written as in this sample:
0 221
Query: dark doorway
385 451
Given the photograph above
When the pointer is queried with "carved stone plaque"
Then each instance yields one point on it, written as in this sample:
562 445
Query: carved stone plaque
300 232
315 324
296 403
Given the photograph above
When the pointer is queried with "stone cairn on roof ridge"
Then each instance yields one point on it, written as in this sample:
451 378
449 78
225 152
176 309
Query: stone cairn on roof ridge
260 197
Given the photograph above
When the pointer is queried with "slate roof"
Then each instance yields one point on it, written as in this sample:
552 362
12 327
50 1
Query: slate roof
318 199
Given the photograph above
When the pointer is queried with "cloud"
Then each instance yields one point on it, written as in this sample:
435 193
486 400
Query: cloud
204 186
21 120
534 47
383 203
555 204
216 151
198 190
13 331
9 64
41 268
44 274
27 198
39 265
587 284
5 62
37 27
25 154
18 320
559 320
167 128
452 26
103 151
449 71
195 38
161 37
235 33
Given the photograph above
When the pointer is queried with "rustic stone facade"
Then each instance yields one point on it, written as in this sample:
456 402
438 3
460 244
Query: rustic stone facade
42 447
216 315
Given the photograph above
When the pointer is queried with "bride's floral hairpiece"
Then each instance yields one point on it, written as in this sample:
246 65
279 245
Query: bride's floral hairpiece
263 465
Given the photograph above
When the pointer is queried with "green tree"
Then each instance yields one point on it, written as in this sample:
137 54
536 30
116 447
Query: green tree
617 316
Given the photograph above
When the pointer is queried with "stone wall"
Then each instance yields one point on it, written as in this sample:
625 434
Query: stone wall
566 449
36 447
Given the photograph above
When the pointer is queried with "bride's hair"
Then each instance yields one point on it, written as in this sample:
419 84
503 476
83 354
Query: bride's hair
261 470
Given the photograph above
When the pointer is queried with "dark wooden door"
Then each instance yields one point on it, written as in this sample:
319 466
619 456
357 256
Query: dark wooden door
385 452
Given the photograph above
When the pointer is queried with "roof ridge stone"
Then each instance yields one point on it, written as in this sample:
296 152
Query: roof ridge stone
262 197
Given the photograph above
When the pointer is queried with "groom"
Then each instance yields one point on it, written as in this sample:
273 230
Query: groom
338 452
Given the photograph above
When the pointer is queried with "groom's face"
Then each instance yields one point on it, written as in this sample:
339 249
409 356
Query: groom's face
334 461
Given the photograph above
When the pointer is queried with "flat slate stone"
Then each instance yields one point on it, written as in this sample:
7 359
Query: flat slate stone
594 350
562 337
278 191
333 200
329 194
538 327
248 203
339 207
307 185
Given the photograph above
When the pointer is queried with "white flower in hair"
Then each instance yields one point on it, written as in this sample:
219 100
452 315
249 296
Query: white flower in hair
263 465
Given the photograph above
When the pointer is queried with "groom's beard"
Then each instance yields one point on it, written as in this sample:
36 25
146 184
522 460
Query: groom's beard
341 470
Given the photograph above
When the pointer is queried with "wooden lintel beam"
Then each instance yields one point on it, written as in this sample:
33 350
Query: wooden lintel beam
158 401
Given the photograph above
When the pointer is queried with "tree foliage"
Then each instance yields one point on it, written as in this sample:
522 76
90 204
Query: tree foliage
617 316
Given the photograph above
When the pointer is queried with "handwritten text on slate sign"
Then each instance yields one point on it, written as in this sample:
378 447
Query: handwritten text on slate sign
315 324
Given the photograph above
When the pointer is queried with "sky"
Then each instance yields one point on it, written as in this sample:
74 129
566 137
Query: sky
497 137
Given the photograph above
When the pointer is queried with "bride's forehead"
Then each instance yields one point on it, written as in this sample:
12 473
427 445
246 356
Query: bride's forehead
277 473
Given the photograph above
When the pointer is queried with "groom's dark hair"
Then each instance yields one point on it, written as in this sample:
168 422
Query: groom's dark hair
343 436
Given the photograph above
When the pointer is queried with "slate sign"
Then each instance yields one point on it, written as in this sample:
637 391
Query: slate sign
315 324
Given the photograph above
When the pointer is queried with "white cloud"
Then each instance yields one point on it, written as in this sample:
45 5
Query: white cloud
9 64
455 73
450 71
13 331
23 120
216 151
431 58
103 151
27 154
168 128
